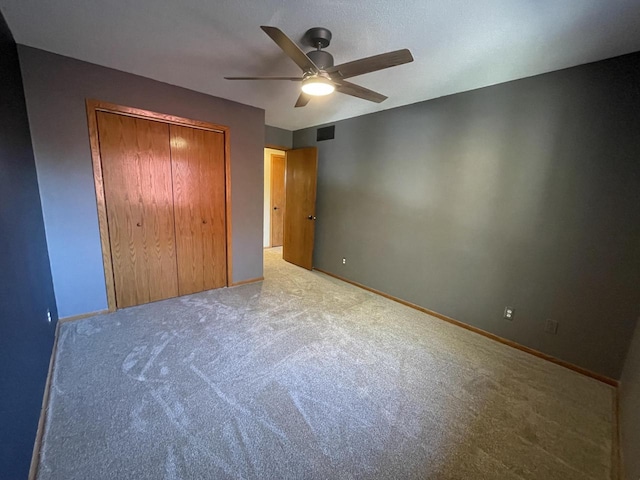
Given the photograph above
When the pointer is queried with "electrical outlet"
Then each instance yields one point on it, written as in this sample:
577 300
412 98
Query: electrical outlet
344 261
48 315
551 326
508 313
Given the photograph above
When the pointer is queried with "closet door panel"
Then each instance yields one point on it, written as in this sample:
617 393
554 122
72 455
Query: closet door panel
136 168
199 199
187 210
212 198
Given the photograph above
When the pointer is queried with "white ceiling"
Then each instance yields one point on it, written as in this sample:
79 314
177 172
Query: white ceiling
458 45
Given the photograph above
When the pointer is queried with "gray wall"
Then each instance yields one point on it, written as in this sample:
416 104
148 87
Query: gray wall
26 291
277 137
56 88
524 194
630 409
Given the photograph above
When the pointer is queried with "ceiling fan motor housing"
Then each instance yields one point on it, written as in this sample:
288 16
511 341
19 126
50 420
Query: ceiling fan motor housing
321 58
319 37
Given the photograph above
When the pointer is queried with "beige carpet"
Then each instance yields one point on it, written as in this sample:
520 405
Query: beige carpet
304 376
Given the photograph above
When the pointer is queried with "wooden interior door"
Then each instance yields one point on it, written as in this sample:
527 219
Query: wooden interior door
300 208
200 213
277 199
136 168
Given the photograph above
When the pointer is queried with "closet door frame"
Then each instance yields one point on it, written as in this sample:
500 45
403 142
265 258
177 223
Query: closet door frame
95 106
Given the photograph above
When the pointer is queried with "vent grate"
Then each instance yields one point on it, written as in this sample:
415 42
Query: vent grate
326 133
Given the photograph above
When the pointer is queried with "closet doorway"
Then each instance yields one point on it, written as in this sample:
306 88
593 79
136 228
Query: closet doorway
162 188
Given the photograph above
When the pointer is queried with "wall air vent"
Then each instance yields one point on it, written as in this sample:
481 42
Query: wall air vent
326 133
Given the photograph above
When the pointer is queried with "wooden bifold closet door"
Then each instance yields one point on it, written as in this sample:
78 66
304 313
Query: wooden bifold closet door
164 188
136 167
199 202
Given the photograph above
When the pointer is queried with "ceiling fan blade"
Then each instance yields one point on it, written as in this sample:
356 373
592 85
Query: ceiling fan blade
303 99
354 90
293 79
371 64
290 48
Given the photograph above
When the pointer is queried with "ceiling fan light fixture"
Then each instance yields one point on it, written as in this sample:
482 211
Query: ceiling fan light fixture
317 86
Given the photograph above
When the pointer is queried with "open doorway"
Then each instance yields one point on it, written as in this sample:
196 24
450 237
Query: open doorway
290 203
274 197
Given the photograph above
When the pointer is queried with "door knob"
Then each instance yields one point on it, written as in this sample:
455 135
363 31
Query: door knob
204 221
311 217
139 224
275 208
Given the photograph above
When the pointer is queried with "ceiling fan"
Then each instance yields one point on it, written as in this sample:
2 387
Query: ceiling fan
320 76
